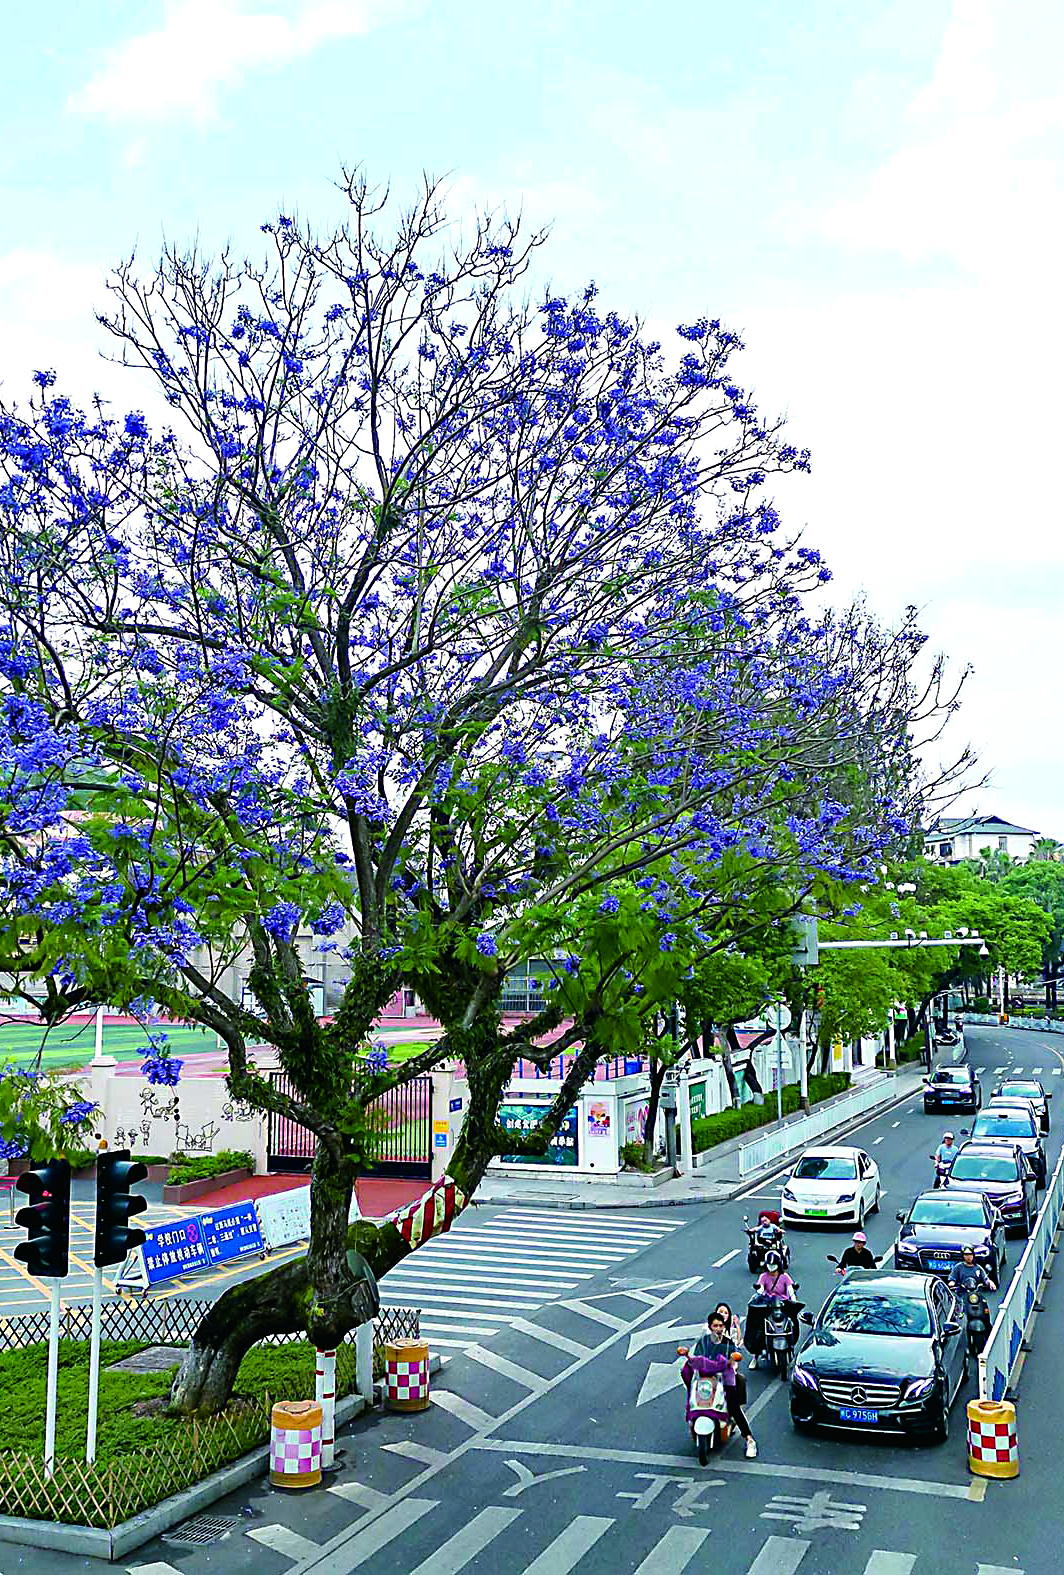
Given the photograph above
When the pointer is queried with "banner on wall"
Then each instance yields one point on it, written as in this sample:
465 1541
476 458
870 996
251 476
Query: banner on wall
635 1120
232 1232
598 1118
169 1251
696 1093
522 1116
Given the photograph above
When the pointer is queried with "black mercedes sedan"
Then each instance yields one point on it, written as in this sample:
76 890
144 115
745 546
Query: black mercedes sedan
941 1224
887 1354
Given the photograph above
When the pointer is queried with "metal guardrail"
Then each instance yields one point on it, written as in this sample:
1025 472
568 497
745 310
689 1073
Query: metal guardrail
997 1364
795 1134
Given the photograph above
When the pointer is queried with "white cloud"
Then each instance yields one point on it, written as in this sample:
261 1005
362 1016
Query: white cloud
180 68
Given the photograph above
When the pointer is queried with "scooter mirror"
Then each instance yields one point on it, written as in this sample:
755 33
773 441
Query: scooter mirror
683 1350
832 1258
900 1215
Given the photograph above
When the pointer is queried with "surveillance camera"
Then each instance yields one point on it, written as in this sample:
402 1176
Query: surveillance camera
910 935
984 950
947 935
894 935
963 933
923 935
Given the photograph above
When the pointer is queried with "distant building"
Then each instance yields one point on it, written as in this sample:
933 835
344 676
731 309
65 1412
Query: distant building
951 840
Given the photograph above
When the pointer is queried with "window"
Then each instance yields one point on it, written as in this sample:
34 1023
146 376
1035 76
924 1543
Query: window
942 1209
1003 844
983 1167
945 850
853 1310
825 1167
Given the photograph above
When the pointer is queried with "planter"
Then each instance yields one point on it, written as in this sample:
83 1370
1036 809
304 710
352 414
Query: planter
189 1191
156 1172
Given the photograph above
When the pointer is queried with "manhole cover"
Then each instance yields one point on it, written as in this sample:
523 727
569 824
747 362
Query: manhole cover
203 1530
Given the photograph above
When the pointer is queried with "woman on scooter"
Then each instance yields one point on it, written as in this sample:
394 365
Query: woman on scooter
715 1343
733 1329
774 1279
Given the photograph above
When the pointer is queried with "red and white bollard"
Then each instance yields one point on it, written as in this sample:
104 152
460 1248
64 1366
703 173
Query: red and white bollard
325 1394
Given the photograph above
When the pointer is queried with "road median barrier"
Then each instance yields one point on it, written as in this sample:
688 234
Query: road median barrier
833 1113
1001 1356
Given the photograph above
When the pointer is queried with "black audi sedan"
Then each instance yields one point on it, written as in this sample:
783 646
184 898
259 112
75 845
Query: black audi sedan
952 1088
941 1224
887 1354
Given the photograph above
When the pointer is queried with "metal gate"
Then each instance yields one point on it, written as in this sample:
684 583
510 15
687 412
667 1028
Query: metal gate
401 1140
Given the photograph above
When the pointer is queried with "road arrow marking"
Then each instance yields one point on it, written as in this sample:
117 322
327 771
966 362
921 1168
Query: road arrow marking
661 1378
674 1332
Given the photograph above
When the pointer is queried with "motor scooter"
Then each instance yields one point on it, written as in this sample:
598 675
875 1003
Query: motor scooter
707 1408
941 1170
781 1333
977 1312
765 1237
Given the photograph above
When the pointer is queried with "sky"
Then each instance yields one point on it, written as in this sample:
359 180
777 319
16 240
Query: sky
871 193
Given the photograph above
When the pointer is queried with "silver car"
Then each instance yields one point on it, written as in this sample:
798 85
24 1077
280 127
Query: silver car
1017 1127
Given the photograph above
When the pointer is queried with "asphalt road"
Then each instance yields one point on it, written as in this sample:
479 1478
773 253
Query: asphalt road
558 1445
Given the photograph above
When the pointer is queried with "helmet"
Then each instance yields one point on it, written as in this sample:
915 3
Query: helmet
773 1260
859 1237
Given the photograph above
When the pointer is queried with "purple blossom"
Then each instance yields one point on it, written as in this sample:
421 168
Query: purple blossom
486 945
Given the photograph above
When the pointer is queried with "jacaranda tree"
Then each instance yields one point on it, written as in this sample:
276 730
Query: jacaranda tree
451 619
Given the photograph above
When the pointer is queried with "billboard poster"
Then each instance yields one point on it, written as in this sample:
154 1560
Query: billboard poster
635 1120
232 1232
598 1118
170 1250
522 1116
696 1092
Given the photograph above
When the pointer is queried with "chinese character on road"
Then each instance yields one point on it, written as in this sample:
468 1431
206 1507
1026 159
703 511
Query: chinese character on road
814 1512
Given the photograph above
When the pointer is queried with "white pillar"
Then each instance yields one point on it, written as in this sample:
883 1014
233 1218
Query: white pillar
803 1061
364 1361
683 1120
892 1054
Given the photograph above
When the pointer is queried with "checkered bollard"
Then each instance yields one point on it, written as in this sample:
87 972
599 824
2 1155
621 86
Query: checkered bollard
406 1375
295 1444
992 1447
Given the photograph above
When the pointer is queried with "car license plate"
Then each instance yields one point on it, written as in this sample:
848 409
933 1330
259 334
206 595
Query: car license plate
939 1263
822 1213
851 1413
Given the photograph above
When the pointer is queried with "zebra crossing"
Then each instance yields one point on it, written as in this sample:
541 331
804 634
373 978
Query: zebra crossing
482 1276
516 1540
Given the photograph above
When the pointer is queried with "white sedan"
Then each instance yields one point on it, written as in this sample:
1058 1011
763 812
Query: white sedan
836 1185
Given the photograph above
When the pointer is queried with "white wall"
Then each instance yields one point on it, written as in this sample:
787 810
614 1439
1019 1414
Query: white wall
196 1117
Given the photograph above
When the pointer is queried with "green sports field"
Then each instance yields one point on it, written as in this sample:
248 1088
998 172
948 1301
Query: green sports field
72 1044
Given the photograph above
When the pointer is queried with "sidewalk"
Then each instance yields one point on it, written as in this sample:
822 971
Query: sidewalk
717 1182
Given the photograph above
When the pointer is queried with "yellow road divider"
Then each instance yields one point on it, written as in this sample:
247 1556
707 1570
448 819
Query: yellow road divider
992 1447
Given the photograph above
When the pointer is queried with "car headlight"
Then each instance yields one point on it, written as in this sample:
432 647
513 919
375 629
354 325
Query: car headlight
846 1197
917 1388
982 1251
788 1196
907 1249
803 1376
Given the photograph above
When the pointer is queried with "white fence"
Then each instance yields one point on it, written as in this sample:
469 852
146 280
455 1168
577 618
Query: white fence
997 1364
1033 1025
795 1134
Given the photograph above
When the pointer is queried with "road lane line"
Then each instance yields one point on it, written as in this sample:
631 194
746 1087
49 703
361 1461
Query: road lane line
358 1493
569 1547
454 1554
884 1563
727 1258
411 1451
392 1524
289 1544
463 1409
779 1556
878 1140
998 1569
506 1369
549 1337
895 1123
596 1314
762 1468
674 1552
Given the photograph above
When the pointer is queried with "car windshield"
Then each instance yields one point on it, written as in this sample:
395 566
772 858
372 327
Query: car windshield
944 1210
983 1167
1023 1090
950 1077
991 1125
854 1310
825 1167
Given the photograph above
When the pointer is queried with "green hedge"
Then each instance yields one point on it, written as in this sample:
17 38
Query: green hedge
205 1165
731 1123
633 1156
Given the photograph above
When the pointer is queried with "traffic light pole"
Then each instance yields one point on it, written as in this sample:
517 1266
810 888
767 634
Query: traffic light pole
53 1379
94 1364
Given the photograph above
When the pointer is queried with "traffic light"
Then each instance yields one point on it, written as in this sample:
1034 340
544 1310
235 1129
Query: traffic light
115 1174
46 1249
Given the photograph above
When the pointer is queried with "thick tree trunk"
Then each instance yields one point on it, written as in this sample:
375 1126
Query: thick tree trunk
657 1077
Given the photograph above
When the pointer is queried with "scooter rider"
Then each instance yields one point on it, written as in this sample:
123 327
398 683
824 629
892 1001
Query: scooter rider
944 1156
774 1279
858 1256
715 1343
969 1275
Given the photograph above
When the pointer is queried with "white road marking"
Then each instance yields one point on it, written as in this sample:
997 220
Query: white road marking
1036 1071
998 1569
779 1556
973 1492
660 1378
596 1314
895 1123
454 1554
158 1568
463 1409
506 1369
488 1276
550 1337
718 1263
884 1563
878 1140
358 1493
289 1544
411 1451
483 1305
601 1225
998 1069
569 1547
674 1552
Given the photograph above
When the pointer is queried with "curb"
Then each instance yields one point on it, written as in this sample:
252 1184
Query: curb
728 1191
